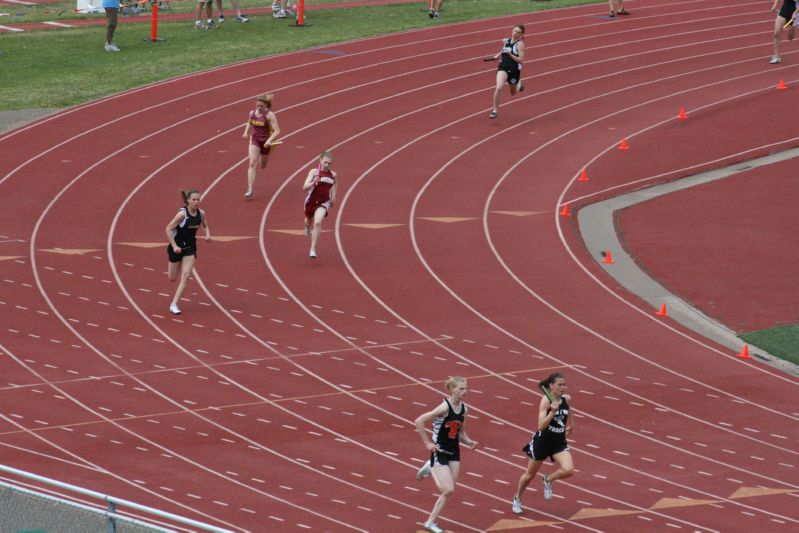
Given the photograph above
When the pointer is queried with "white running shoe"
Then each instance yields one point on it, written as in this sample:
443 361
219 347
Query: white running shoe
241 18
775 60
199 25
111 47
174 309
516 506
312 255
432 527
424 471
279 15
547 488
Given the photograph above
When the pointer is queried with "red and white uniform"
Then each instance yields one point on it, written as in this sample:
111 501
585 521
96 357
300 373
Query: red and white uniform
319 194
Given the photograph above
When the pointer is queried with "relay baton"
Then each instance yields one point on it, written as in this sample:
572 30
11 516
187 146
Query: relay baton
789 23
546 393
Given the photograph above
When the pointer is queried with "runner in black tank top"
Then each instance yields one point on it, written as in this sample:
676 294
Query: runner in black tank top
182 248
449 430
509 70
555 423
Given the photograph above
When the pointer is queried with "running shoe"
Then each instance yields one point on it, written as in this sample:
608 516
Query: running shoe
275 7
174 309
432 527
612 14
312 255
517 505
436 14
520 86
221 18
493 114
622 11
241 18
431 12
280 14
210 24
424 471
248 194
547 488
111 47
199 25
775 60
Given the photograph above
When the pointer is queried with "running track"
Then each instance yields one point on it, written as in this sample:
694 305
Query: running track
283 398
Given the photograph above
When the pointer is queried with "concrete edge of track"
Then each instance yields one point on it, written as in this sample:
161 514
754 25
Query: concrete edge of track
11 120
598 232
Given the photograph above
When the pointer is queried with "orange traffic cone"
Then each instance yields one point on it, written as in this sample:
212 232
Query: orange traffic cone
781 86
745 352
566 211
623 145
662 311
682 115
583 176
608 260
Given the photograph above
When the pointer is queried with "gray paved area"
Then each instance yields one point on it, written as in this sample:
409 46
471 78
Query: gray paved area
598 230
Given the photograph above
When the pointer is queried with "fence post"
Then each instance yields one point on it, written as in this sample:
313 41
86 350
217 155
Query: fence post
112 524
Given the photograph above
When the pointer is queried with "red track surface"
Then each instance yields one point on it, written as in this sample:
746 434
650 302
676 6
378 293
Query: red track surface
283 398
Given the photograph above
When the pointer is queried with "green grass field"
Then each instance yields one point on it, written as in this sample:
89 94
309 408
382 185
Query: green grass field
782 341
31 61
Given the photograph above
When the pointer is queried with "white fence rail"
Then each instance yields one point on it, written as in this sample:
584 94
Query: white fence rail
111 503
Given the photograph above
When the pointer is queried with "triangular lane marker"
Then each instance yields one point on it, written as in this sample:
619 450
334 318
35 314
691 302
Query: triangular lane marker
746 492
229 238
294 231
9 257
70 251
506 524
448 220
588 512
374 226
220 238
666 503
144 244
520 213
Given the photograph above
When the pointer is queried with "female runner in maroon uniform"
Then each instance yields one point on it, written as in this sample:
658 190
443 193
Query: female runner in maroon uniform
261 131
554 425
449 420
510 66
321 187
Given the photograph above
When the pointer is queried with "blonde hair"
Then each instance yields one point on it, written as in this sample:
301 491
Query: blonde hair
453 381
267 99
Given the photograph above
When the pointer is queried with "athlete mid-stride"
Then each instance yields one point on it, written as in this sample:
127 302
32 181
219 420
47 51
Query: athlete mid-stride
554 425
449 420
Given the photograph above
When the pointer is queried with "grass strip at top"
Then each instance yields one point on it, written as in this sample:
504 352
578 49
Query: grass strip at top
64 11
60 68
